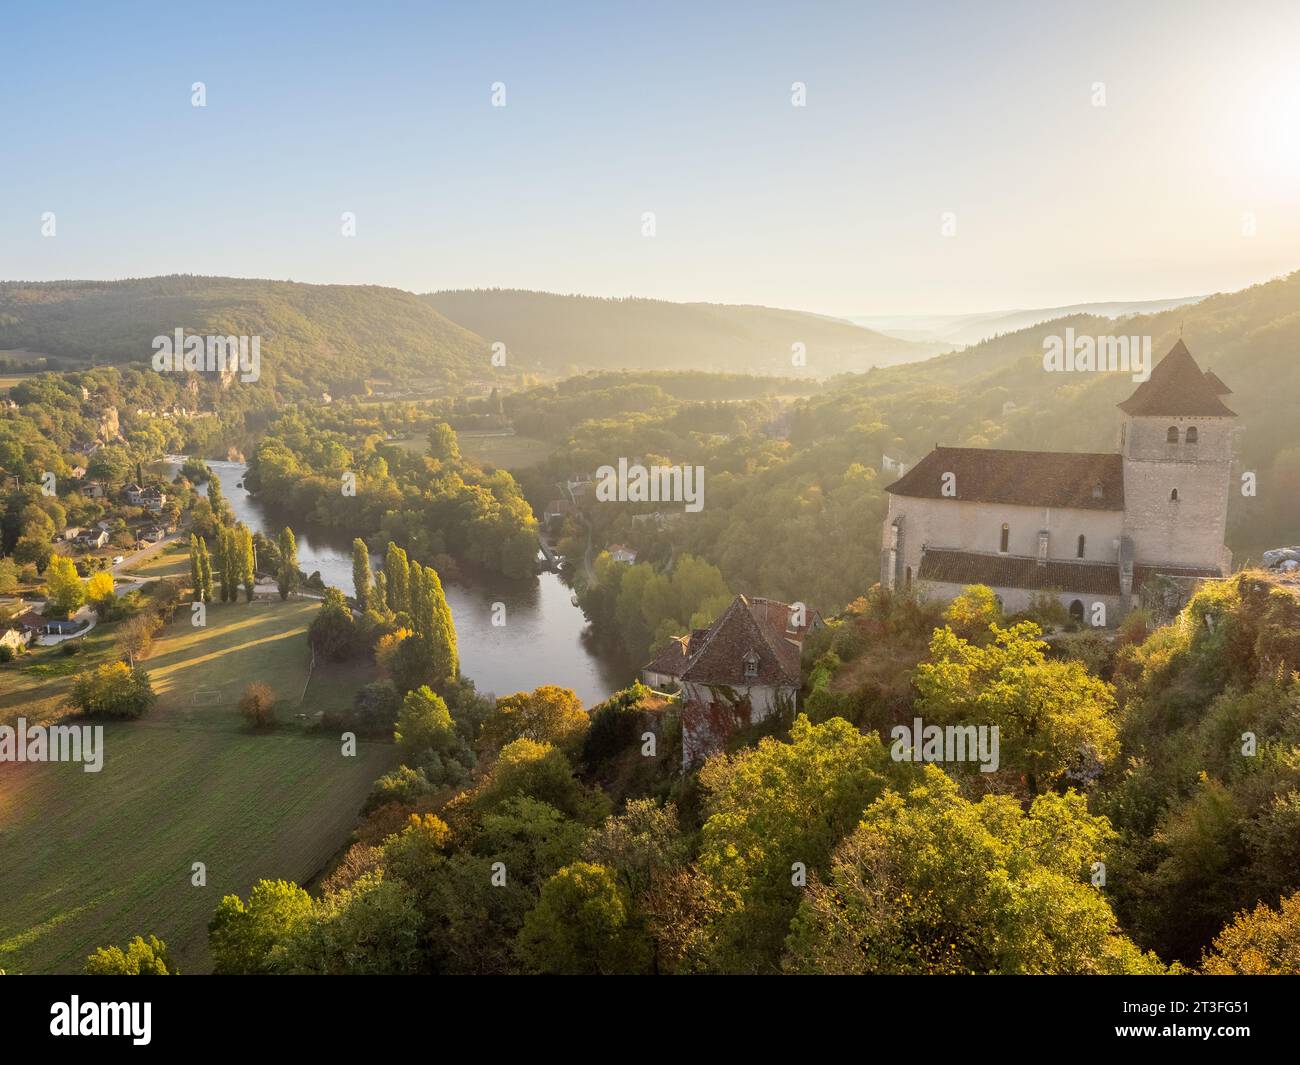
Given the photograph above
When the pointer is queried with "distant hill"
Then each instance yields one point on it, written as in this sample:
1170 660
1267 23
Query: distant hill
314 337
570 334
961 329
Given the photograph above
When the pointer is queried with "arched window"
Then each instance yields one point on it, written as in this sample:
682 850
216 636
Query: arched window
1006 538
1082 542
1076 610
1173 496
907 578
1171 437
1097 491
1192 435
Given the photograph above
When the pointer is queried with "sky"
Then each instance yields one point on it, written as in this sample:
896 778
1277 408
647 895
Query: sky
948 158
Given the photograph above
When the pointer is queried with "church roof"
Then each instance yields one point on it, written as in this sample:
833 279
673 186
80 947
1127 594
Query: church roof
1019 571
1083 480
1178 389
1056 574
1220 389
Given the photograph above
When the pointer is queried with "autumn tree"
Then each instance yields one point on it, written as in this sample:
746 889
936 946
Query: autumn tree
583 924
65 589
362 579
288 577
241 938
931 883
397 572
1259 942
142 957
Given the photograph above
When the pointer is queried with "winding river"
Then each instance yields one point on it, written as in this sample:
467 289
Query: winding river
542 642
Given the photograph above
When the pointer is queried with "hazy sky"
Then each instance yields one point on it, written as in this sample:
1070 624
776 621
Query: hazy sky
985 110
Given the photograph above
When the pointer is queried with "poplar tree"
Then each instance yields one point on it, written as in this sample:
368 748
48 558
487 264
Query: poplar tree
195 572
205 571
288 578
361 575
246 561
440 633
397 573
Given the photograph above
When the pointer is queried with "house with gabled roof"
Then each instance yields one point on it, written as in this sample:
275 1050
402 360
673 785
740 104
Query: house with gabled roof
1089 529
736 672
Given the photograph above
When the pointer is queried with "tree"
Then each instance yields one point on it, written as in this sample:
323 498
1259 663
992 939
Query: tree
583 924
205 572
63 586
424 724
8 576
247 574
241 938
443 445
772 806
196 568
398 573
135 636
216 499
112 690
434 624
288 578
931 883
1262 942
332 632
547 714
361 575
257 705
1053 717
99 592
141 958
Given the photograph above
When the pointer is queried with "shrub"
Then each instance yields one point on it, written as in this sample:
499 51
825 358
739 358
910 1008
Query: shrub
257 705
113 690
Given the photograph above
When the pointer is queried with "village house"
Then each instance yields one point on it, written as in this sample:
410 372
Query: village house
94 489
620 553
90 539
736 672
557 508
134 494
1088 529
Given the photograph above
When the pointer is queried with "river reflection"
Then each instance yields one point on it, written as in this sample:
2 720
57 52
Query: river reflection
542 641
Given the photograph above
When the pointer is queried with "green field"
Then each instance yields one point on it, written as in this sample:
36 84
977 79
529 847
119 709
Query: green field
507 451
172 561
93 858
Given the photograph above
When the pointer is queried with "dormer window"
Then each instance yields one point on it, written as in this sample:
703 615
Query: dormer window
1192 435
1171 437
750 664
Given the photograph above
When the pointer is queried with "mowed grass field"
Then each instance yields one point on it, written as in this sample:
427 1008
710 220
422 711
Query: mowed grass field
88 859
172 561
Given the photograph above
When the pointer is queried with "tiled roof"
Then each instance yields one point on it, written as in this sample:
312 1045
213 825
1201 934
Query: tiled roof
1142 574
1019 571
1220 389
1086 481
1177 389
717 655
777 615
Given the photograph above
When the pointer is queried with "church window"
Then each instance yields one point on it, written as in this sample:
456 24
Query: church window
1192 435
907 579
1076 610
1171 437
1006 538
1097 491
1082 541
1173 496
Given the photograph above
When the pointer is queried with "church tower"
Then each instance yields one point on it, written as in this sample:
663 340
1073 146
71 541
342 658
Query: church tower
1176 441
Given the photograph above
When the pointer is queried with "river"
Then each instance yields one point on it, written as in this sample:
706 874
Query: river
543 639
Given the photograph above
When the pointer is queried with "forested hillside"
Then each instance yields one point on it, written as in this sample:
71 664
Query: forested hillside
314 337
568 334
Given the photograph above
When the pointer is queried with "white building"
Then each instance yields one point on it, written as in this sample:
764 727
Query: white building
1090 529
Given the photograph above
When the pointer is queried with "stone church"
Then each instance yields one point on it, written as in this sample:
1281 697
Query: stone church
1089 529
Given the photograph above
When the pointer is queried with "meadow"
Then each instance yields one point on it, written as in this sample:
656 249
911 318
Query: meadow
506 451
88 859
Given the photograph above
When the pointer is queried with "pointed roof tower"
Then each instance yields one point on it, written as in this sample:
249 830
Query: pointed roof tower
1220 389
1177 389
